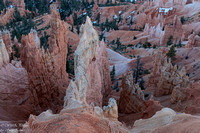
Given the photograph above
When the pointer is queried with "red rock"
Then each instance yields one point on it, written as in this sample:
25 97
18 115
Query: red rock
194 41
73 122
132 105
47 70
175 30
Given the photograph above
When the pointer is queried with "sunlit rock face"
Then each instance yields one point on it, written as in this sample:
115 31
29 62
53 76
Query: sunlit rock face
92 78
47 70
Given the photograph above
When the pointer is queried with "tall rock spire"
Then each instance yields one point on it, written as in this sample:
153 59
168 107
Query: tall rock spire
47 70
91 70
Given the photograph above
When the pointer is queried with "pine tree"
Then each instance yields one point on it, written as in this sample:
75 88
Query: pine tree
112 74
2 6
138 70
98 18
172 53
169 42
78 29
118 42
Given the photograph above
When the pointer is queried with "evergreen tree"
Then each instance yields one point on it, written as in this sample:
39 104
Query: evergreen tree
169 42
172 53
17 15
112 74
182 19
179 44
2 6
138 70
72 30
118 42
98 18
78 29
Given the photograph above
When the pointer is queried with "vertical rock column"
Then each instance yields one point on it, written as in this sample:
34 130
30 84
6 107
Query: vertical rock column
47 70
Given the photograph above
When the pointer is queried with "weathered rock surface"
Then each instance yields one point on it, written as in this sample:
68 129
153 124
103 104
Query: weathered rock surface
194 41
131 97
132 104
84 95
4 57
47 70
174 29
92 79
167 77
16 100
167 120
73 122
7 40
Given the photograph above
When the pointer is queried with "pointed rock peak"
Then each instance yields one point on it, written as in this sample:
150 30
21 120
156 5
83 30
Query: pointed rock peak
28 40
87 30
55 14
88 22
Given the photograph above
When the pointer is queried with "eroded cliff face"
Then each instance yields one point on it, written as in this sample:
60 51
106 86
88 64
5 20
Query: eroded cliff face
84 95
47 70
16 101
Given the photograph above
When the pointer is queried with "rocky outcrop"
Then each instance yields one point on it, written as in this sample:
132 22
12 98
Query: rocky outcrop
167 77
132 104
16 100
47 70
174 29
4 57
8 15
193 41
131 97
167 120
154 32
72 122
92 79
7 40
111 111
